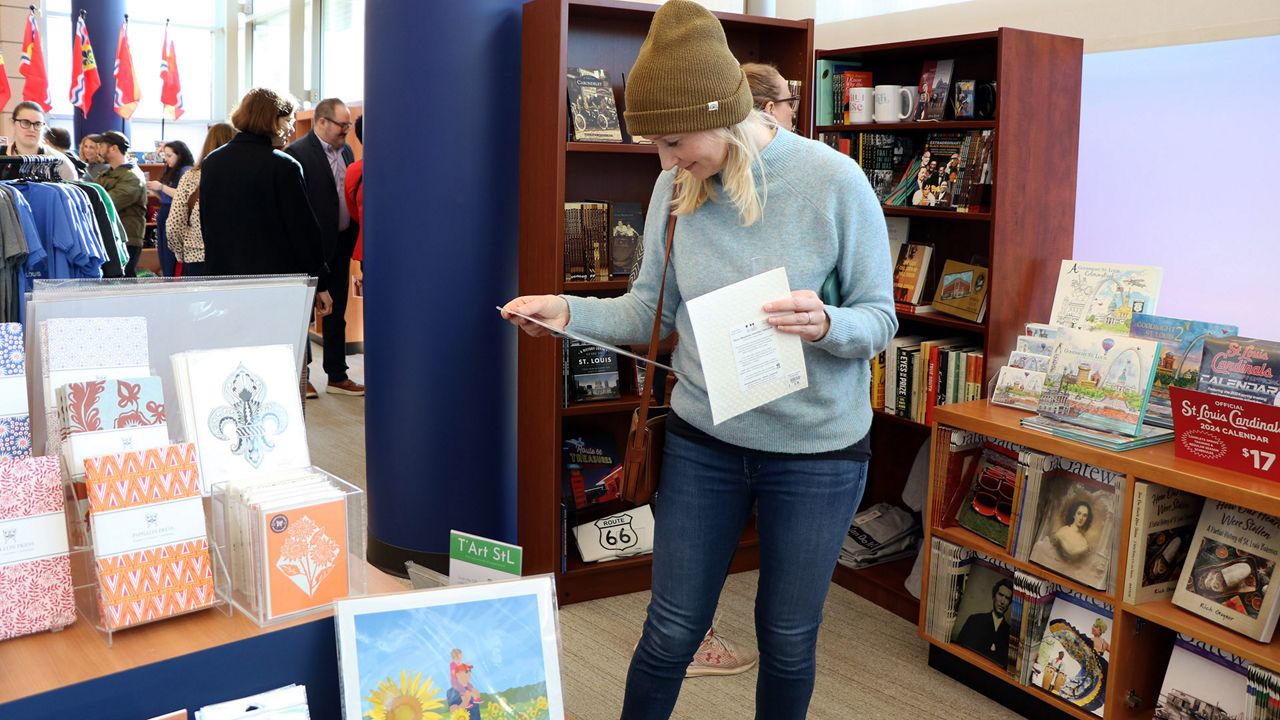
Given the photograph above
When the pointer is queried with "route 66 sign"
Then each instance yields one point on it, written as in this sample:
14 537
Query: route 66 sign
616 533
621 535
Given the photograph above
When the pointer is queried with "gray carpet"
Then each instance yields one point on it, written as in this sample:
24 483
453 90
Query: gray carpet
871 664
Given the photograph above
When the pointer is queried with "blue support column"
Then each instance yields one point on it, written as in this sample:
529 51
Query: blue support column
103 18
442 100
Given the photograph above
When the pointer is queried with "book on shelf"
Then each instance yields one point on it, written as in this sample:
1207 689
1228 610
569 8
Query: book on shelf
949 567
1032 600
1203 681
911 273
929 376
1075 651
1104 296
852 79
884 157
905 308
1164 519
586 240
591 373
962 291
1264 692
1018 388
899 228
1241 368
1181 349
982 613
897 369
834 76
988 505
1077 518
1100 380
935 87
593 113
626 232
962 100
1227 576
592 469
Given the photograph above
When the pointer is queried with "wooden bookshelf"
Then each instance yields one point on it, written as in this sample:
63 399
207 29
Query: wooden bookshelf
559 34
1025 234
1142 635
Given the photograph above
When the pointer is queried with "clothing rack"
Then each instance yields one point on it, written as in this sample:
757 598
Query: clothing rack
34 166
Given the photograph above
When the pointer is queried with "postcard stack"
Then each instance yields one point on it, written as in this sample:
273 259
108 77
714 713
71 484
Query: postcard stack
286 523
35 568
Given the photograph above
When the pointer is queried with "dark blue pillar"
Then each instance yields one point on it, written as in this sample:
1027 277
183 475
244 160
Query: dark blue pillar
442 100
103 18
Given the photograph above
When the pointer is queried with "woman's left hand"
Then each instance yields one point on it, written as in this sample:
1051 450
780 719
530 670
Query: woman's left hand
153 186
802 314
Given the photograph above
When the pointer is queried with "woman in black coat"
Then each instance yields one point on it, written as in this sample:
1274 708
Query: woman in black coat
254 211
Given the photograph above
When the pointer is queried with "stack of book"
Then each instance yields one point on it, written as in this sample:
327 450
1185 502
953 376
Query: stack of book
601 239
916 374
882 533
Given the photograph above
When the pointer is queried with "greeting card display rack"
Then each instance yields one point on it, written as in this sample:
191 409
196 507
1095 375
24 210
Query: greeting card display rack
234 522
87 581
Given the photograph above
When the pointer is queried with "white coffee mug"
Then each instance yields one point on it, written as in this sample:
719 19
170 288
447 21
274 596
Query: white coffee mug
861 104
913 95
891 104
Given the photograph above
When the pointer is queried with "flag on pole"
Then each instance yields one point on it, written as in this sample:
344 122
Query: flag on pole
127 92
84 69
5 92
31 66
170 84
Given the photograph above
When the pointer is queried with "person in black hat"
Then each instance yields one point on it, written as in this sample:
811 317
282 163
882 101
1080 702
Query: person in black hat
127 186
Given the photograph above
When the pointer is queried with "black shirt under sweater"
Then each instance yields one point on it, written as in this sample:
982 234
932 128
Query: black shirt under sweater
860 450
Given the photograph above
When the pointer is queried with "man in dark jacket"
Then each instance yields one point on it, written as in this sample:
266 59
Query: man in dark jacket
324 156
127 186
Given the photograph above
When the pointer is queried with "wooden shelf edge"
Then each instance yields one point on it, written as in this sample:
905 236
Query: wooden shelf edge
622 148
626 403
948 125
965 538
1166 614
944 320
895 211
898 419
978 661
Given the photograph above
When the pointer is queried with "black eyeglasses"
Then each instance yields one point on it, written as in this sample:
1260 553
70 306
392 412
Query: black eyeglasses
26 124
343 125
793 101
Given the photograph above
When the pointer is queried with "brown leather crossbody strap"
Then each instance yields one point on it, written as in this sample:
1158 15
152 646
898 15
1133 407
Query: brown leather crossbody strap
646 397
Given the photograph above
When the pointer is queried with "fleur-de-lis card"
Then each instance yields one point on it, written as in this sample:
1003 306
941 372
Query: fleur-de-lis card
150 540
35 568
481 650
242 409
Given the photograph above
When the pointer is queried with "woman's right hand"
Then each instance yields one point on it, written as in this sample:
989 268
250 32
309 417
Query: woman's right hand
551 309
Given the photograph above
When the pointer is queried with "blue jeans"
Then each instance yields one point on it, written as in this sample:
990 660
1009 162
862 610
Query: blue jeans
804 508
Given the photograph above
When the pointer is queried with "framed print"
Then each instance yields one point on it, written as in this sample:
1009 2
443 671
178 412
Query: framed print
451 652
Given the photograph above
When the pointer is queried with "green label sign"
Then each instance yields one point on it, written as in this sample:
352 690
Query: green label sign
486 553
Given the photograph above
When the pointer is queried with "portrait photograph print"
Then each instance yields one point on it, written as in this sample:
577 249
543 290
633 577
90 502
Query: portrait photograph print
1075 524
982 616
481 651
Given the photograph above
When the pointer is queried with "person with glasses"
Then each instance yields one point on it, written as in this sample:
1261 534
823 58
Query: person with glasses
769 92
324 156
28 139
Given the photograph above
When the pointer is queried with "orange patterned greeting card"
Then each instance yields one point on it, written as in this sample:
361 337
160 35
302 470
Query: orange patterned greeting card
148 526
306 556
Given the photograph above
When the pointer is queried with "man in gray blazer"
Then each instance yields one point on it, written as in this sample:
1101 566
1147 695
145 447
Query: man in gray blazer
324 156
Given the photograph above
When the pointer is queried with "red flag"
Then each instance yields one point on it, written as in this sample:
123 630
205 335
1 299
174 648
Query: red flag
31 67
170 84
127 92
84 70
5 92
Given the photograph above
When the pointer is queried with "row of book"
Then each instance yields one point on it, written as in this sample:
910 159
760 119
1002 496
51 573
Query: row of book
601 239
915 374
1212 558
960 290
952 171
1040 634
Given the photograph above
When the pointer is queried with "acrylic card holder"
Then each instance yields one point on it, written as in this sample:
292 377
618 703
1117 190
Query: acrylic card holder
293 546
142 552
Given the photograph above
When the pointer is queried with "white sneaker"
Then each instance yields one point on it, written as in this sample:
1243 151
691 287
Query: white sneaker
718 656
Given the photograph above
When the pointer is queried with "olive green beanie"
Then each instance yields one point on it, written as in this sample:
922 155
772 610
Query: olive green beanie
685 78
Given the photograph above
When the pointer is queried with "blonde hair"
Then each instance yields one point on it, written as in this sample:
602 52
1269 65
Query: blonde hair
737 177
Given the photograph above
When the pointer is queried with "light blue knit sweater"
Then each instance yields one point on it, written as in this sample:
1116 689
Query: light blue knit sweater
820 213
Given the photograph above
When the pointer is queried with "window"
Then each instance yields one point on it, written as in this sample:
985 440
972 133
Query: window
342 49
828 11
191 28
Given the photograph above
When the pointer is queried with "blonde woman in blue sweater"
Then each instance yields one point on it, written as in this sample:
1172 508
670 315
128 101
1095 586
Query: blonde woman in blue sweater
741 188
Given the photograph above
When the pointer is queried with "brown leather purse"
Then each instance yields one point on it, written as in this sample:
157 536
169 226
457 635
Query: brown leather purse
642 466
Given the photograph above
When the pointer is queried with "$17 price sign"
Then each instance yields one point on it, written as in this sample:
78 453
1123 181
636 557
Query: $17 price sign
1233 434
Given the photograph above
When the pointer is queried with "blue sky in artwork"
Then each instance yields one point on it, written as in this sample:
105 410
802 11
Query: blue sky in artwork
500 637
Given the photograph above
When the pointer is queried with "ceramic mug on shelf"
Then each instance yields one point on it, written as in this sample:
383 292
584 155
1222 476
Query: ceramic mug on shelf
912 102
861 104
892 104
